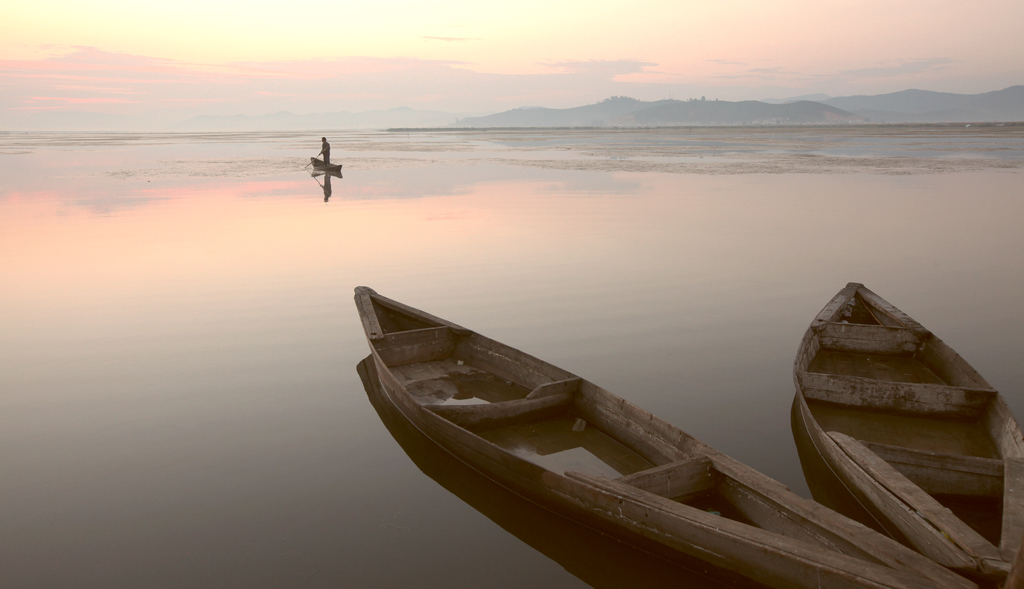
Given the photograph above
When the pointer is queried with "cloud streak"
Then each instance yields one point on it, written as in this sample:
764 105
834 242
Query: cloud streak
602 68
451 39
901 67
897 68
88 80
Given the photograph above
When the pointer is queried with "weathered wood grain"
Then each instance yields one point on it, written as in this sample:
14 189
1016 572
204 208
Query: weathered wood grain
917 398
873 339
1015 580
415 346
949 366
489 415
411 311
1004 429
676 479
630 426
923 537
686 446
835 306
810 345
947 474
1013 508
846 530
882 306
931 517
507 362
369 318
569 385
769 558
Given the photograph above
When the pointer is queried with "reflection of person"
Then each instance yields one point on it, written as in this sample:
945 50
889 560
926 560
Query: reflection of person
326 151
327 186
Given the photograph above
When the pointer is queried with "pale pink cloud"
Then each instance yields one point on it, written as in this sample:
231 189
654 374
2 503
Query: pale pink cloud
90 80
192 100
80 100
602 68
99 89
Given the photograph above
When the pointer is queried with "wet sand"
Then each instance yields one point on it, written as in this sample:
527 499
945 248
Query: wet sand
873 149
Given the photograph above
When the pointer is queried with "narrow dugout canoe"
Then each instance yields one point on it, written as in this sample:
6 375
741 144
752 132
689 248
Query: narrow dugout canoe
575 448
927 450
319 165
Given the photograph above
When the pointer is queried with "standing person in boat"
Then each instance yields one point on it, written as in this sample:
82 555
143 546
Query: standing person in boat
326 151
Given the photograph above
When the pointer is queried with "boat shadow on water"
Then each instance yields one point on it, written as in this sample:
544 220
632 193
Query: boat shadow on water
595 558
326 184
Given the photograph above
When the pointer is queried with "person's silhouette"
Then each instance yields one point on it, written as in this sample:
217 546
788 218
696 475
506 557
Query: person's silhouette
325 151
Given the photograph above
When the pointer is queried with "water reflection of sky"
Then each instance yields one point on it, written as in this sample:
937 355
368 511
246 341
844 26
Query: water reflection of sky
180 402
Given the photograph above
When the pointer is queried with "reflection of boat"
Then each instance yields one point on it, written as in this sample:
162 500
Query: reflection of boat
327 175
920 445
597 559
572 446
319 165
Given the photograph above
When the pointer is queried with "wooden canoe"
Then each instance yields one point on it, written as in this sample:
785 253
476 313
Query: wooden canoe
599 560
319 165
577 449
926 448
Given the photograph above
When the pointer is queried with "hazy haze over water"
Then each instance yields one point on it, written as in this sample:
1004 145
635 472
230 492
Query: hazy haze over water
179 402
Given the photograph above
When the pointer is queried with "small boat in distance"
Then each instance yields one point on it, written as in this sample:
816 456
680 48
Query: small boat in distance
925 447
577 449
319 165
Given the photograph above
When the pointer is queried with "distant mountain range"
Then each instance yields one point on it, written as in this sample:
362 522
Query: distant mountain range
622 111
908 106
922 106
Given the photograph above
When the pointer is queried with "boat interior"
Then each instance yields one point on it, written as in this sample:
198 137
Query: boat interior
566 425
865 340
897 392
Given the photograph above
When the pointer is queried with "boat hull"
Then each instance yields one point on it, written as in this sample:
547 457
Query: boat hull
319 165
825 486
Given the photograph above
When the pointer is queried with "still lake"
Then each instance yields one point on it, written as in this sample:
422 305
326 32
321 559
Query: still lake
179 398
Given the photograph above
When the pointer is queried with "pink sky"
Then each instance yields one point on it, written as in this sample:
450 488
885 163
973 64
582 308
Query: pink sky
177 60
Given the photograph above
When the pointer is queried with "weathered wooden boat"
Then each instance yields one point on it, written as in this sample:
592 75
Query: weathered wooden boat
572 446
319 165
599 560
926 448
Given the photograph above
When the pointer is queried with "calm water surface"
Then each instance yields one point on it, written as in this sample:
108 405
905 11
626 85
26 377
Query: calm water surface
179 398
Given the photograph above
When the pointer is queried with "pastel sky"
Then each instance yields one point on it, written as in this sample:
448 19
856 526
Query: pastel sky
177 59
